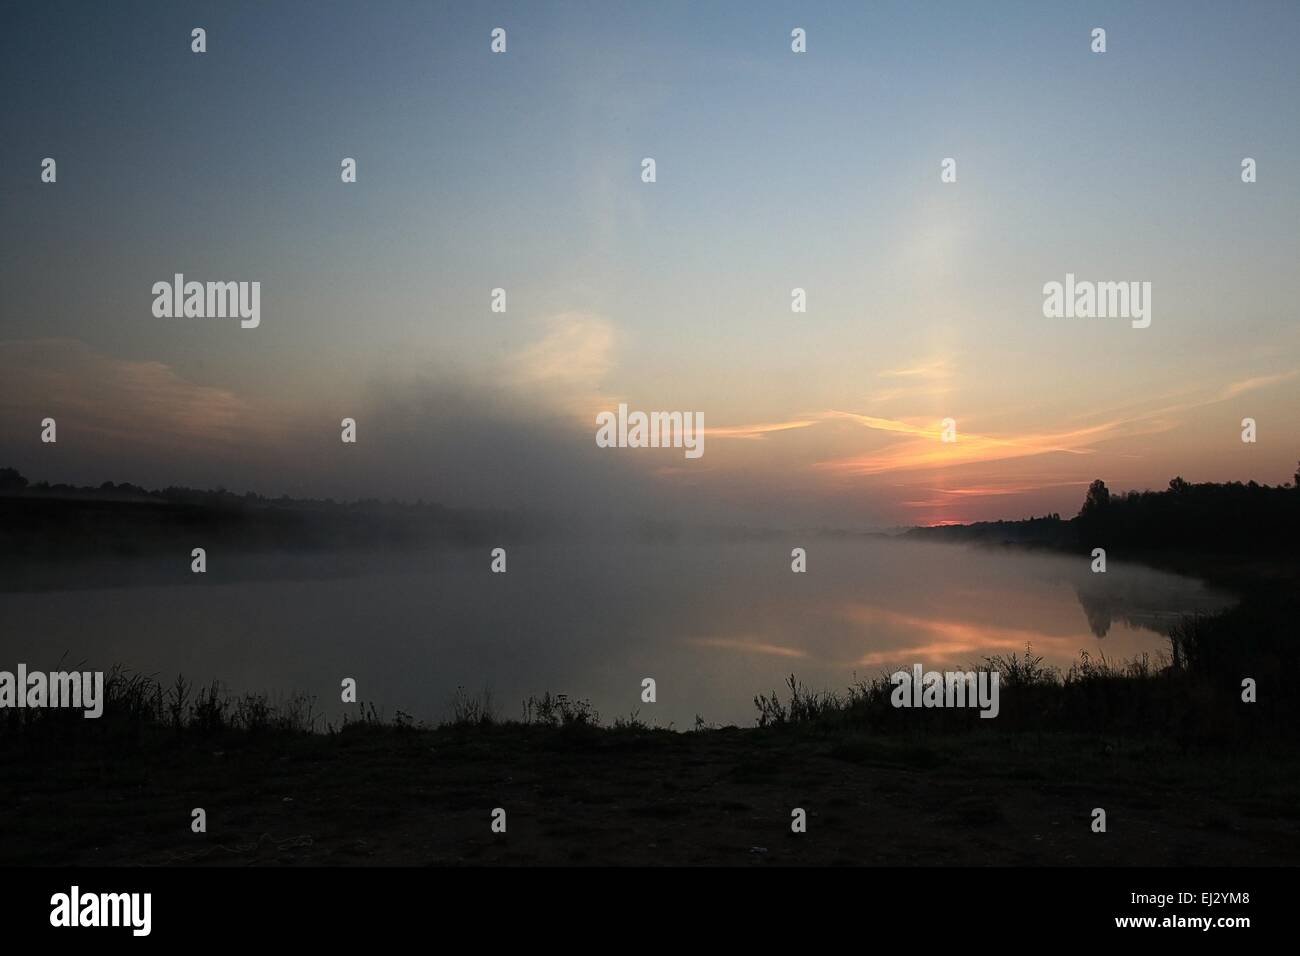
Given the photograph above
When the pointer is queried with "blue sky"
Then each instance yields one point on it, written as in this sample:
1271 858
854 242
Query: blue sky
775 170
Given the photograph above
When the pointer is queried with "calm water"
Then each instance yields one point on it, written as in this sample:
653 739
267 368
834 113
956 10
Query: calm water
713 624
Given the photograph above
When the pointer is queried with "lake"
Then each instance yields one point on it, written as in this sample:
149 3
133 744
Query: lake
713 624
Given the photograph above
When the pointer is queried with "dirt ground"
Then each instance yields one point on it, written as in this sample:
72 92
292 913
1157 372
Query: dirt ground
374 795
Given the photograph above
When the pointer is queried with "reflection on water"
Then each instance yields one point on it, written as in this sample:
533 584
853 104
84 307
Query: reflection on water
713 624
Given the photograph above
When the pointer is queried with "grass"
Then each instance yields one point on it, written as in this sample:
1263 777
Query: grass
377 791
1193 696
1188 773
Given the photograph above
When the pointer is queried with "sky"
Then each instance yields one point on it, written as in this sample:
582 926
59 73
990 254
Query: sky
775 170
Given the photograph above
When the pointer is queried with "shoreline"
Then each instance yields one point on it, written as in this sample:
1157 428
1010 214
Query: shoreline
1187 770
1186 774
387 796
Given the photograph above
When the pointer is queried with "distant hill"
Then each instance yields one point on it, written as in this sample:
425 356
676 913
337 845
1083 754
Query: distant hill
55 521
1049 531
1230 519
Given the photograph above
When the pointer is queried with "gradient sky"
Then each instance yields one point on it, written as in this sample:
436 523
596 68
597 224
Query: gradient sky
775 170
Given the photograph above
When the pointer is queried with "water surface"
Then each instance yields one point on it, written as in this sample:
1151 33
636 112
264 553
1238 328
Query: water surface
712 624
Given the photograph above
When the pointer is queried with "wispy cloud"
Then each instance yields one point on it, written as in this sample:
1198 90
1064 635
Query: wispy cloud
938 368
111 402
759 431
566 368
748 645
998 490
917 445
1258 382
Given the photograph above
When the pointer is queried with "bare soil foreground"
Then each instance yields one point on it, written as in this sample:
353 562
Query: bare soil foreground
375 794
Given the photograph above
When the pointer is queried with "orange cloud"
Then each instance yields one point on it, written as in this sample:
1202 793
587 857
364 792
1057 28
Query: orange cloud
747 644
758 431
921 448
118 402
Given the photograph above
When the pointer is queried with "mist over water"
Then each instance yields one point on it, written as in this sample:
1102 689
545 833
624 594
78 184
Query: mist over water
712 623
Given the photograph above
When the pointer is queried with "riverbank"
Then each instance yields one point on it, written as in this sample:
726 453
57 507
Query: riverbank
1194 761
1186 771
374 794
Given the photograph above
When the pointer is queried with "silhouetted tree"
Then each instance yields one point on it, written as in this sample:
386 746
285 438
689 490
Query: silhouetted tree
1097 500
11 480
